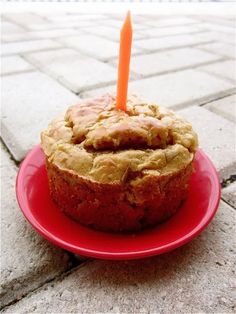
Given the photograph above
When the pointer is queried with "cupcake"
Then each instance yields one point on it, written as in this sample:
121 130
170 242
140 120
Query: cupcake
115 170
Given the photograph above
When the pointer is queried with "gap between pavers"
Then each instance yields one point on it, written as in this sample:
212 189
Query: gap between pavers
198 277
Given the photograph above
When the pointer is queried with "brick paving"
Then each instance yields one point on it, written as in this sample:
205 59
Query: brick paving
187 63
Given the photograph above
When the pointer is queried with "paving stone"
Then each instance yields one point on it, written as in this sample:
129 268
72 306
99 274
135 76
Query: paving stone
29 102
168 42
27 46
226 107
177 89
27 260
32 35
76 17
196 278
229 194
169 31
219 28
222 49
73 69
225 69
27 20
170 21
94 46
118 24
14 64
166 61
217 137
110 32
9 28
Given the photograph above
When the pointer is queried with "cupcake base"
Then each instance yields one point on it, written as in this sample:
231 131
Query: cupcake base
115 207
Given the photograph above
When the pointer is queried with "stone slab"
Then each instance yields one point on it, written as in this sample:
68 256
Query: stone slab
175 90
28 46
221 49
217 137
225 69
74 70
14 64
29 102
225 107
229 194
196 278
27 20
170 30
167 61
169 21
110 33
27 260
10 28
45 34
170 42
94 46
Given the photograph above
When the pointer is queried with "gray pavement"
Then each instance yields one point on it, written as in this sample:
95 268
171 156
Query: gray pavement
187 63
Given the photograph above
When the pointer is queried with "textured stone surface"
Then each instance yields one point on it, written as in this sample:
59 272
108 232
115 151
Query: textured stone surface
170 30
217 137
105 49
27 20
171 60
229 194
226 107
168 42
52 33
9 28
169 21
176 89
73 69
14 64
225 69
86 44
27 260
110 32
196 278
27 46
28 107
222 49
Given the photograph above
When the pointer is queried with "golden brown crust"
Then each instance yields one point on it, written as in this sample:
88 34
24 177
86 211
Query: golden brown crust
115 207
115 170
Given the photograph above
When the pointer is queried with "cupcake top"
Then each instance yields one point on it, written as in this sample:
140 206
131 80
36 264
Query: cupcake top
103 144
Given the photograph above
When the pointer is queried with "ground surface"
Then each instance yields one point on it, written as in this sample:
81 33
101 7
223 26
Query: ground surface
187 63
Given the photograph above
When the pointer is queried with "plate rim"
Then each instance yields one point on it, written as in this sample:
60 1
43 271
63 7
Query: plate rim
118 255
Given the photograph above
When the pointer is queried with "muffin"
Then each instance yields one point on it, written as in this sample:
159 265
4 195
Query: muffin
119 171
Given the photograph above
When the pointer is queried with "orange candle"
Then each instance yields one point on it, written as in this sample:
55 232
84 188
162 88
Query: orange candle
124 61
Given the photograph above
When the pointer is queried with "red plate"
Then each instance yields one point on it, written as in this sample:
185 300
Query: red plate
35 202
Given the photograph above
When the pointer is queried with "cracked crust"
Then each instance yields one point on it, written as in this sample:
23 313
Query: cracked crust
115 170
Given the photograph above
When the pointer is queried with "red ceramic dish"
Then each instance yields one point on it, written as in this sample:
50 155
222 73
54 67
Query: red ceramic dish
35 202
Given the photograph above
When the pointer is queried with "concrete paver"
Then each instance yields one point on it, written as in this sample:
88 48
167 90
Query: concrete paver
14 64
222 49
167 61
9 28
27 260
170 30
217 137
167 42
28 108
169 283
105 49
170 21
225 107
225 69
27 46
175 90
74 70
